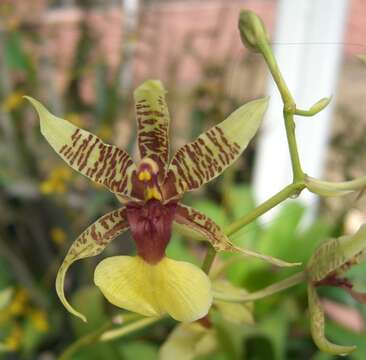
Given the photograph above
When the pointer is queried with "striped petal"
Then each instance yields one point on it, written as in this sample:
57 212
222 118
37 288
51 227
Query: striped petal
153 123
317 326
212 152
90 243
203 225
337 254
178 288
86 153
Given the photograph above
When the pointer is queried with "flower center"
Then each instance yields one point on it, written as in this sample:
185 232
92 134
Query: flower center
147 173
151 227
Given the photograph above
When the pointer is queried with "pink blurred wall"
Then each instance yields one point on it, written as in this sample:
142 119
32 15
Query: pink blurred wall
162 36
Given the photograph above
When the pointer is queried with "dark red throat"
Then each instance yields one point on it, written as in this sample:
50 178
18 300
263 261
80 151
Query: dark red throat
151 228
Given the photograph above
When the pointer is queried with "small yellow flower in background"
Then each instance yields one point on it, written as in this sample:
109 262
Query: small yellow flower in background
58 236
6 296
56 183
15 311
39 320
150 283
13 101
19 304
13 341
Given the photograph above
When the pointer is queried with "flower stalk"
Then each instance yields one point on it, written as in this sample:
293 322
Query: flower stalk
272 289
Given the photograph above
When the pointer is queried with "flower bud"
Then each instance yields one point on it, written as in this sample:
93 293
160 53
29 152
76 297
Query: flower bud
327 188
320 105
252 30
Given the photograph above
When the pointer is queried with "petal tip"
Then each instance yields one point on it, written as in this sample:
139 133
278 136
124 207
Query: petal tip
149 86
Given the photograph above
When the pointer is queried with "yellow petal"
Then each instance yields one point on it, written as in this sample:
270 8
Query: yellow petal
184 290
126 282
178 288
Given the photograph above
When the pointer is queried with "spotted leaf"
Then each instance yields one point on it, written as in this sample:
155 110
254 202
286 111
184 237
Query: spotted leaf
317 326
91 243
153 123
337 254
203 225
212 152
86 153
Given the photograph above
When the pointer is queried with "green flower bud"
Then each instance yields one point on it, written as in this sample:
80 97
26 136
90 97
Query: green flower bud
252 30
327 188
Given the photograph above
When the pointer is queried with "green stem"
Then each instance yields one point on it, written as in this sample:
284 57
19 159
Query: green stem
267 291
130 324
209 259
289 108
288 114
86 340
127 329
284 194
276 73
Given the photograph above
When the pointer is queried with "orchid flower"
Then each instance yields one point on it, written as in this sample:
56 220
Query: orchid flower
327 267
150 283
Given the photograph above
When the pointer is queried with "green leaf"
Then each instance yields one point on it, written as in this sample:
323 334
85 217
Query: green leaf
139 350
178 250
14 55
278 237
90 299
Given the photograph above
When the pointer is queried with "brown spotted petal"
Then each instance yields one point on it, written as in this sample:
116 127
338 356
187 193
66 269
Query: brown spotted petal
86 153
91 243
317 326
203 225
153 123
212 152
337 255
